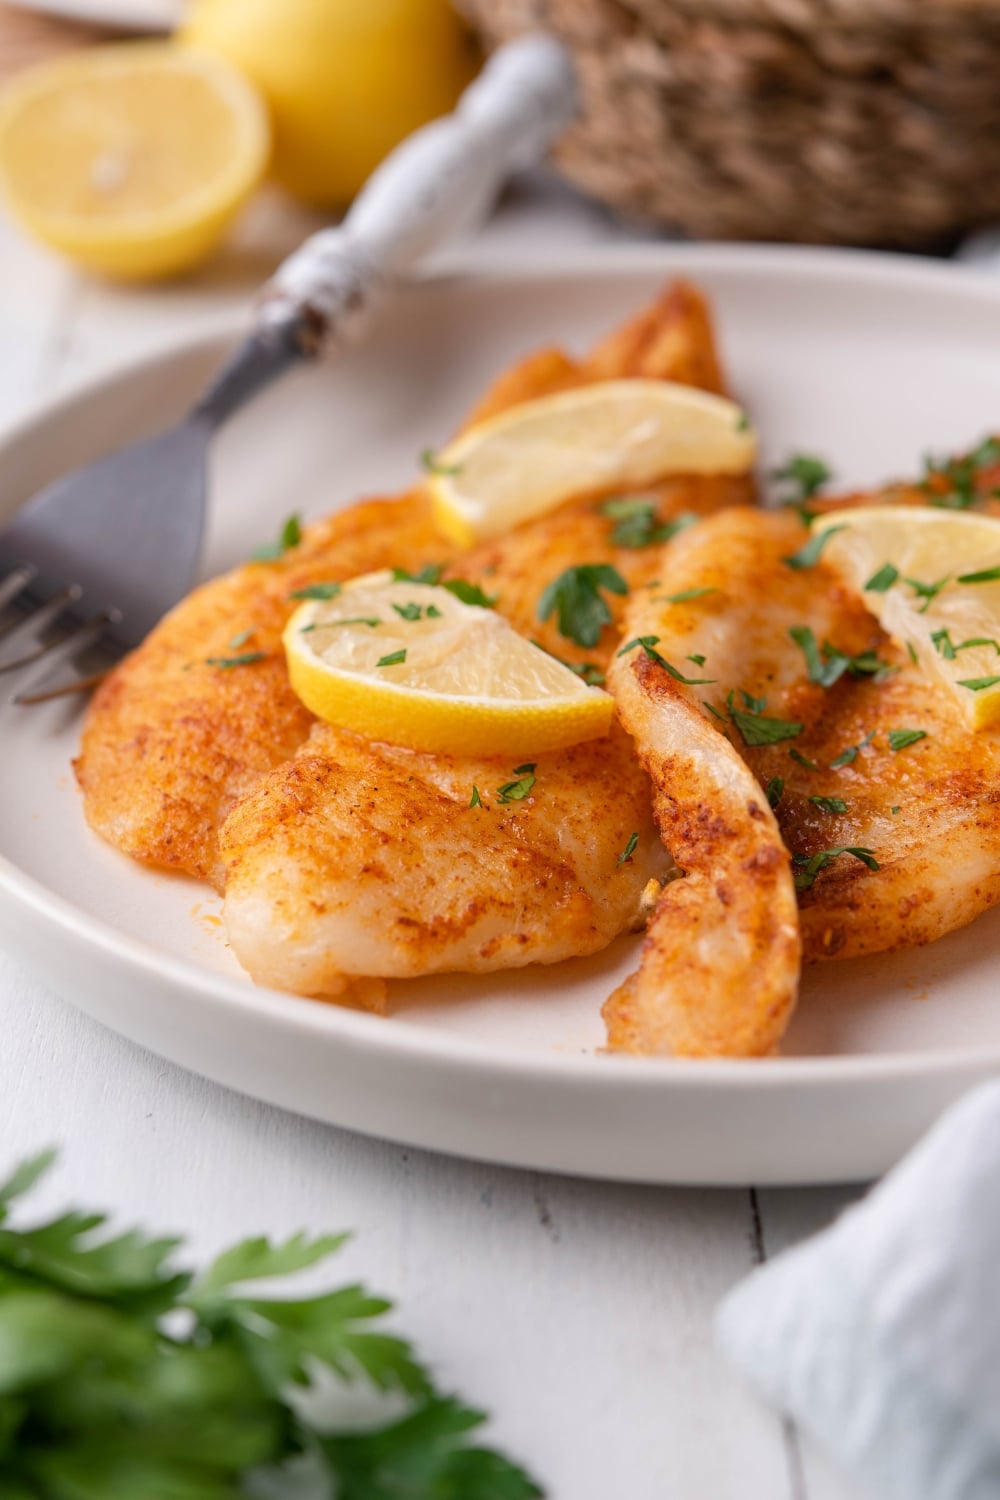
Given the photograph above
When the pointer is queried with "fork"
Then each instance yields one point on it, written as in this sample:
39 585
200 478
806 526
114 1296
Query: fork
94 560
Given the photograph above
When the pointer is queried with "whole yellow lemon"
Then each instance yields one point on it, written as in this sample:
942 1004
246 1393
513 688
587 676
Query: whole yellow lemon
345 80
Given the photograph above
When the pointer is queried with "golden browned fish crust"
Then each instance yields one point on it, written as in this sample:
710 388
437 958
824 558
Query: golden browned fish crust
364 859
927 814
172 743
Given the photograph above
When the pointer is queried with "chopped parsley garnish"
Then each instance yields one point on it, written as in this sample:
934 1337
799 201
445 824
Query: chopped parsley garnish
629 849
475 800
774 791
576 600
757 729
713 710
246 659
900 738
648 642
944 643
894 810
755 705
813 864
827 666
809 555
985 575
289 536
685 595
697 658
927 591
742 422
370 620
317 591
430 573
469 593
241 639
516 791
636 524
394 659
431 464
978 684
802 760
829 804
432 612
959 476
911 652
849 756
805 473
883 580
409 611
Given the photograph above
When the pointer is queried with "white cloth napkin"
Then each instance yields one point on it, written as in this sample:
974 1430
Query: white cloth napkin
881 1336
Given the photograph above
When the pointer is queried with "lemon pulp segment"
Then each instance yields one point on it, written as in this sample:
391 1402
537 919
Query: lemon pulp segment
613 434
411 664
951 625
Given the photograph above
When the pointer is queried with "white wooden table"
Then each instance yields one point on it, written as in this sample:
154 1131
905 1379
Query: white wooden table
578 1313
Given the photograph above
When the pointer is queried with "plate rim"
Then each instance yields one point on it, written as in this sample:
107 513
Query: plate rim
398 1037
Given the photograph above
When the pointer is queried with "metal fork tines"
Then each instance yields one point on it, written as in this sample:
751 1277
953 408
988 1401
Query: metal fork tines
43 636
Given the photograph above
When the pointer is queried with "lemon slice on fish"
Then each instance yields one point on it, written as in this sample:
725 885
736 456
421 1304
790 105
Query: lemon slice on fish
932 579
412 664
617 434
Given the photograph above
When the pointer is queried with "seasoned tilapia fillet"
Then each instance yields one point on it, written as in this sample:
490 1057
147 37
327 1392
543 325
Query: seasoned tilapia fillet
172 742
926 813
359 859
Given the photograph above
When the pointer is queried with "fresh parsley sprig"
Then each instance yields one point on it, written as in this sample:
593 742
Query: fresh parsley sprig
636 523
124 1376
575 598
289 536
812 864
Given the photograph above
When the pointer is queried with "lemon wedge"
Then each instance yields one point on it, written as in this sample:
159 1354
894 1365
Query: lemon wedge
932 580
614 434
412 664
131 159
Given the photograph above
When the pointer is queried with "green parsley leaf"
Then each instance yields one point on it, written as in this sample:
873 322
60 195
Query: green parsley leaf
713 710
894 809
516 791
636 524
941 640
317 591
648 642
226 663
475 800
629 849
978 684
409 611
290 536
394 659
774 790
469 593
900 738
697 658
911 652
883 580
756 729
809 555
805 473
685 595
369 620
755 705
432 612
802 760
431 464
849 756
960 476
241 639
985 575
830 804
575 598
742 422
106 1392
927 591
813 864
823 671
430 573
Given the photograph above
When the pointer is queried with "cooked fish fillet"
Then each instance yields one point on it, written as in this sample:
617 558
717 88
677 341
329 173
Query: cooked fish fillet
928 814
171 742
362 859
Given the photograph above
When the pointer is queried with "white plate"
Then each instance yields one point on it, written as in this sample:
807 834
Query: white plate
137 15
866 359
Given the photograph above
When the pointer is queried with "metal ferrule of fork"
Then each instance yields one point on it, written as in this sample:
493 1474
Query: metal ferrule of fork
27 641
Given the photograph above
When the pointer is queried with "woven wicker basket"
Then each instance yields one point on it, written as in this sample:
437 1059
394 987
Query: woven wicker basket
838 121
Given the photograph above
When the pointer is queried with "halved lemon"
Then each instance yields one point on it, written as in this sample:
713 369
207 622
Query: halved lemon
131 159
614 434
412 664
932 579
